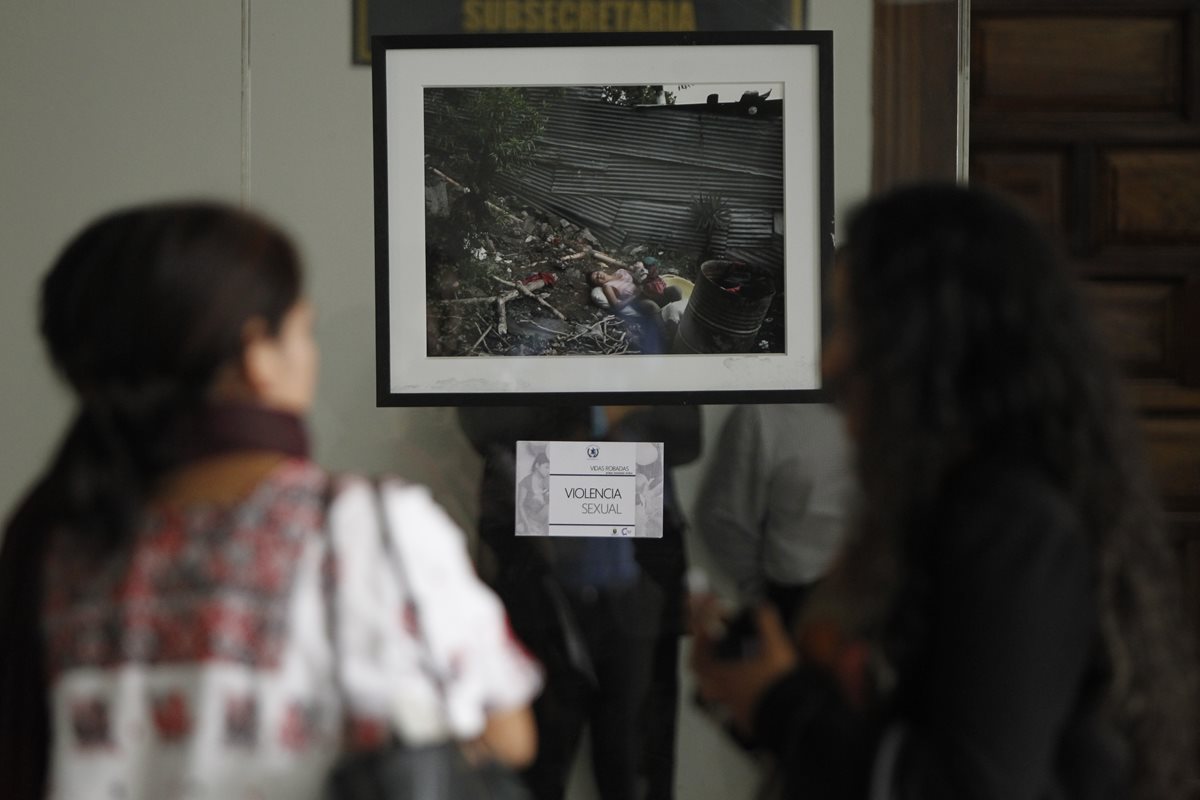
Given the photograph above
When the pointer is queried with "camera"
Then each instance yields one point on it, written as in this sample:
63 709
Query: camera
740 639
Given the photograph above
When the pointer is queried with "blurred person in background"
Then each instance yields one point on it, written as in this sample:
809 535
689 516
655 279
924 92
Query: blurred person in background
775 498
604 616
1006 620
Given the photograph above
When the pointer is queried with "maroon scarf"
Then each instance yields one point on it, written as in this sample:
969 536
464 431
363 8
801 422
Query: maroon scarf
225 429
24 713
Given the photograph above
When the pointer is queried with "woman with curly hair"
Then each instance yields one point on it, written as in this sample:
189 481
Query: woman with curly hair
1005 621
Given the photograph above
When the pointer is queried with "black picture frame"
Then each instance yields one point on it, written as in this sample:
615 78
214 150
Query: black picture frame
413 74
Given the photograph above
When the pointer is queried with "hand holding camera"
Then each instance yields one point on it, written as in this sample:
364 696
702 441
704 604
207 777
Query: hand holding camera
737 658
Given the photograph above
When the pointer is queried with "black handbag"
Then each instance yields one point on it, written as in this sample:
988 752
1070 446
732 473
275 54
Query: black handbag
431 772
400 771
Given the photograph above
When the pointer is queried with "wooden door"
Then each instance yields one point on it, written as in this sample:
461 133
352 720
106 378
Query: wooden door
1088 113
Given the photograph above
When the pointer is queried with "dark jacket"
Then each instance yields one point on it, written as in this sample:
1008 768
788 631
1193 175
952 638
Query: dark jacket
24 712
995 645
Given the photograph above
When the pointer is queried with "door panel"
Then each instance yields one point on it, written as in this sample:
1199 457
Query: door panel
1034 178
1151 196
1087 112
1064 64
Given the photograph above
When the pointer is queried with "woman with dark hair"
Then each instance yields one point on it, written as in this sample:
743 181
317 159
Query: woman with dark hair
189 606
612 290
1005 623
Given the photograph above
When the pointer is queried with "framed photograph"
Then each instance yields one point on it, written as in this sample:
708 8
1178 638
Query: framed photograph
604 219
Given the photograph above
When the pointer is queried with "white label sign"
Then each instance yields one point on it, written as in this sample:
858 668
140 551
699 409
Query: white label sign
589 489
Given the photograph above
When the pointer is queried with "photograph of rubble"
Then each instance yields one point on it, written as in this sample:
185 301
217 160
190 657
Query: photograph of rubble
655 220
604 220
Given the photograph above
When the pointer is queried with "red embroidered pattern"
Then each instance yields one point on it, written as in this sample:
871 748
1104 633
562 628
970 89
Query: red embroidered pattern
172 720
363 733
201 584
300 724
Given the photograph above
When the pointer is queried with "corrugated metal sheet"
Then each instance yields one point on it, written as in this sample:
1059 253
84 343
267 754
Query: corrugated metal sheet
663 223
750 227
637 177
631 174
586 209
747 145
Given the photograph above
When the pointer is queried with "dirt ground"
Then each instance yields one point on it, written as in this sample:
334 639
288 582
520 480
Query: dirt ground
510 247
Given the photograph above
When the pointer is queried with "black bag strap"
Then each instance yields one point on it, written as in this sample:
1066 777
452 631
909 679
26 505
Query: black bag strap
329 570
434 772
412 609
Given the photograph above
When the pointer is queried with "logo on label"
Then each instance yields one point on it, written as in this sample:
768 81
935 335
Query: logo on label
593 451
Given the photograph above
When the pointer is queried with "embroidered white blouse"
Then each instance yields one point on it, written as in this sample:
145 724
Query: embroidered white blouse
199 662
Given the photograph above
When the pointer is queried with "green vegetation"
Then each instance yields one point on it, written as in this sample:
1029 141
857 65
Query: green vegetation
475 134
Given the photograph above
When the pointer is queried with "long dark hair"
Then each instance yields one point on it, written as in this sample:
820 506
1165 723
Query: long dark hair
140 312
969 336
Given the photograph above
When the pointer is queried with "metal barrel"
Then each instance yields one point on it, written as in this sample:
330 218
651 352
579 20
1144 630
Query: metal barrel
720 321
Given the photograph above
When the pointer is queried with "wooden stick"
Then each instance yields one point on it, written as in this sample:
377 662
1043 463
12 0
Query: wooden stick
481 336
543 328
607 259
447 178
523 288
502 313
488 203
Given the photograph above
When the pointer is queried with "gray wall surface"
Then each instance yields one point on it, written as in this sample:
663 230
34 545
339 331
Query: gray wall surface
109 103
112 103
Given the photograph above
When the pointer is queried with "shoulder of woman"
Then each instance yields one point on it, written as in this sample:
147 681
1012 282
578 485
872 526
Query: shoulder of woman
997 509
360 501
996 486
